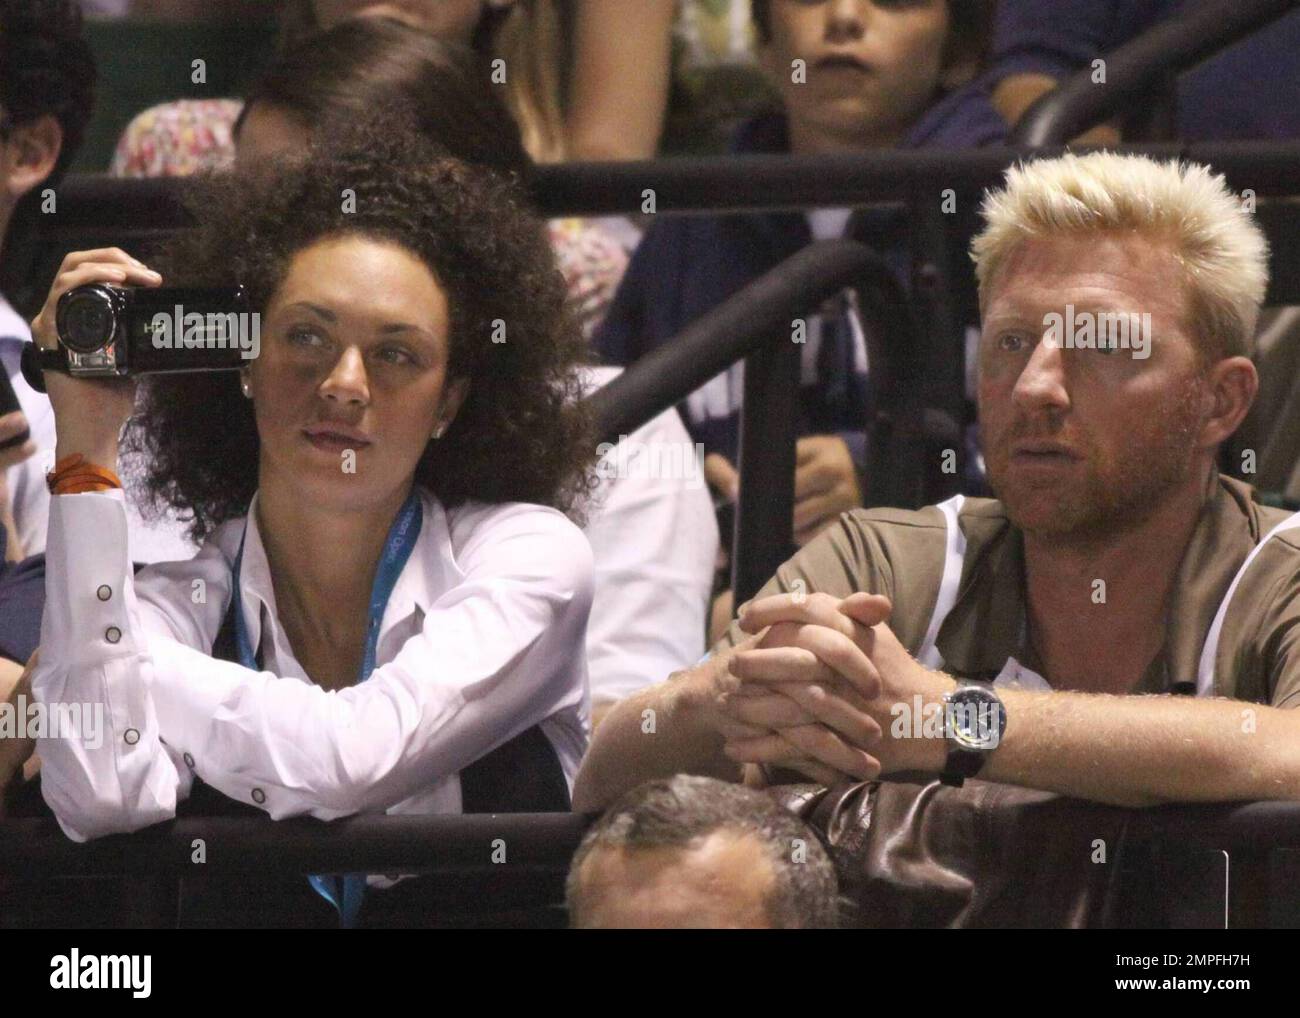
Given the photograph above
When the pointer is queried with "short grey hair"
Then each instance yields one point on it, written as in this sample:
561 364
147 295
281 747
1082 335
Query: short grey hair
682 811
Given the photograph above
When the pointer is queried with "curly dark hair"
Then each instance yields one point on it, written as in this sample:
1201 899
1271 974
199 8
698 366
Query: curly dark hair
523 433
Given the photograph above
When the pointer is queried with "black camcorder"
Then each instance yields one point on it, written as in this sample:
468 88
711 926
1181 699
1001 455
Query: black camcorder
112 332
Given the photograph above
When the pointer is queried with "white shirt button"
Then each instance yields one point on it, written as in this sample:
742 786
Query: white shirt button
131 736
189 761
259 796
112 634
104 592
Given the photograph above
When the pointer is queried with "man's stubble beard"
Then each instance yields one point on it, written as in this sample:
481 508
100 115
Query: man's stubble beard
1143 477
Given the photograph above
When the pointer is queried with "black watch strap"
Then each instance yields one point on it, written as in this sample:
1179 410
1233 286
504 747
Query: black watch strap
961 764
35 360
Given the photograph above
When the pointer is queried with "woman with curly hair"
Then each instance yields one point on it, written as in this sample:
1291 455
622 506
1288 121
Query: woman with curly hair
653 536
388 610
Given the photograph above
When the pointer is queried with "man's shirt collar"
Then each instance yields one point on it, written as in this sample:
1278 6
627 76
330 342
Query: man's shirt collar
988 622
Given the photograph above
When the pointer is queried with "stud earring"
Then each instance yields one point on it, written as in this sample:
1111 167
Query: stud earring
245 387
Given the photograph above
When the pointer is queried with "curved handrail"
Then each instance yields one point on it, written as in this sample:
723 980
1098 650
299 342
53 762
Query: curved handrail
1079 103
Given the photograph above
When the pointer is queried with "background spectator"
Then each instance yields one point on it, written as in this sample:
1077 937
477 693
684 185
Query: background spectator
47 91
1039 42
876 76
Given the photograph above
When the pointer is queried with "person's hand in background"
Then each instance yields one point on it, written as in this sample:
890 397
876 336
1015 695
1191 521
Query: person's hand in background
722 476
11 425
17 756
825 485
723 479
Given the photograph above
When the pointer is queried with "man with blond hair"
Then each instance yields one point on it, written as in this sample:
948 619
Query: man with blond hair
1120 625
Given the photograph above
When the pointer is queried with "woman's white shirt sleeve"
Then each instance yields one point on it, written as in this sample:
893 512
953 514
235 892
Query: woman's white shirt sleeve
497 652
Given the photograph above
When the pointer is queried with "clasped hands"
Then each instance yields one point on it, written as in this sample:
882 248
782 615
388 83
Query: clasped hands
817 692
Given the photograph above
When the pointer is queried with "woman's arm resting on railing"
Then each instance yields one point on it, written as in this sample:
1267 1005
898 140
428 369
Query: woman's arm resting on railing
494 657
108 772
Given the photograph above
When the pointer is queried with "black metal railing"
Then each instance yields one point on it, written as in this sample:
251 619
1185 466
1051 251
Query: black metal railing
93 204
756 324
1249 857
1143 66
465 856
453 845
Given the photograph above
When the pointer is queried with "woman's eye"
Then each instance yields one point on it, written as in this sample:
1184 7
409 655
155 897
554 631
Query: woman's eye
395 355
305 337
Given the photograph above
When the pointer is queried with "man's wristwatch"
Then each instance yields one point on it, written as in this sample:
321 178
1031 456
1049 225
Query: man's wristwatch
974 719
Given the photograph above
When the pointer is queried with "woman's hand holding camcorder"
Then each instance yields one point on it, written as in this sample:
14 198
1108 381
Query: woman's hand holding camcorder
89 413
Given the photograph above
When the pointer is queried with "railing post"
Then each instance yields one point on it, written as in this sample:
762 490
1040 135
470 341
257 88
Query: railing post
768 422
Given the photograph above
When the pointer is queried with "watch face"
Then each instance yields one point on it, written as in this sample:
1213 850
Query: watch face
975 718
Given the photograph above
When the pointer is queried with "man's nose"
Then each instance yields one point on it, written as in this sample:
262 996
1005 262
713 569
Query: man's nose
846 20
346 382
1042 383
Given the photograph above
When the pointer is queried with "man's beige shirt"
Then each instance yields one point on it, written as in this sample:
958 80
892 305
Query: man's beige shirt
900 554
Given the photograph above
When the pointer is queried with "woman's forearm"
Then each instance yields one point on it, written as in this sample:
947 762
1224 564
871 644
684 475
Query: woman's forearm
104 770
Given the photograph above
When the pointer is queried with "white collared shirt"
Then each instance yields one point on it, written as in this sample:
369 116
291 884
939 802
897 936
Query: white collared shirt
654 538
482 638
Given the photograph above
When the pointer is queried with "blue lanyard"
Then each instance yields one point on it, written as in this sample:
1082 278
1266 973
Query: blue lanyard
346 892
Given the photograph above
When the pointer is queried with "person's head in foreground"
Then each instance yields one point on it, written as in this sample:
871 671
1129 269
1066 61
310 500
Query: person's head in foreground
859 73
1118 299
410 303
697 852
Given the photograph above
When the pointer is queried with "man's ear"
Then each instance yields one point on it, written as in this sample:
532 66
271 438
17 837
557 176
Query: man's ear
29 155
1233 385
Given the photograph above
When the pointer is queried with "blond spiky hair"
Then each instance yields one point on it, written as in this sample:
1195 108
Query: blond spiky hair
1215 239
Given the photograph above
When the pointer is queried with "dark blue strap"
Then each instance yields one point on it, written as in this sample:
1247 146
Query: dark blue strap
520 776
347 892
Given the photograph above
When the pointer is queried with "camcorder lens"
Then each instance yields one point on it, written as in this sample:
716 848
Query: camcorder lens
86 321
